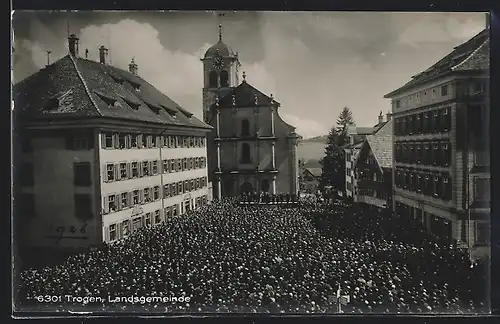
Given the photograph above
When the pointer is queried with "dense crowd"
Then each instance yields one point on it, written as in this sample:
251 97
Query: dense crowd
271 259
266 198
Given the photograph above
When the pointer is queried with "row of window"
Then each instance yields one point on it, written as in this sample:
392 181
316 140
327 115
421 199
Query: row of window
429 122
433 93
425 153
122 229
434 185
126 141
139 169
371 192
117 202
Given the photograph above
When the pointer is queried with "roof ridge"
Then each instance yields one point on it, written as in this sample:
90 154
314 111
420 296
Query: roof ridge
470 55
87 91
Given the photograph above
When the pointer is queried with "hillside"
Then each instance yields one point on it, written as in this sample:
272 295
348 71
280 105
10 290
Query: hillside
316 139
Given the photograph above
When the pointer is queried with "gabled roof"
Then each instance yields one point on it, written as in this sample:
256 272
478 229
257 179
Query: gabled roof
315 172
380 145
81 88
244 96
469 56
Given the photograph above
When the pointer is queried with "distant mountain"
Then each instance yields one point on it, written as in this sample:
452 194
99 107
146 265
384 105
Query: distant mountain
316 139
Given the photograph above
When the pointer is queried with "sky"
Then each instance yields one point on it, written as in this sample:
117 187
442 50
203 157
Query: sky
314 63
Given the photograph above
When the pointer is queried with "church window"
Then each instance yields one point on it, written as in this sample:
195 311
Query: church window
245 127
224 79
245 153
212 79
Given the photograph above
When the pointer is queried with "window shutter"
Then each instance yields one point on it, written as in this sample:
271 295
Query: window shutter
103 140
157 140
140 170
118 202
104 173
151 191
119 230
150 167
129 170
116 143
141 196
117 171
130 199
105 201
106 234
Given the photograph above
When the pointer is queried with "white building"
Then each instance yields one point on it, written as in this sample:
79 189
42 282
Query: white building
103 153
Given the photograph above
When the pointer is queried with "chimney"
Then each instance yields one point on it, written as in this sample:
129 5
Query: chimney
132 67
380 118
388 116
73 45
103 52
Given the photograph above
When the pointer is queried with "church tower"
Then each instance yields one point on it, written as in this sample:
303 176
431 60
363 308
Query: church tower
220 73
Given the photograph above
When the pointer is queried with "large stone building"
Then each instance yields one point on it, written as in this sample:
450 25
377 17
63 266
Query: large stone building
373 168
251 149
441 145
103 153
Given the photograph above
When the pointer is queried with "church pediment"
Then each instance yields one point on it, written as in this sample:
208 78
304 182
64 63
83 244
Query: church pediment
245 95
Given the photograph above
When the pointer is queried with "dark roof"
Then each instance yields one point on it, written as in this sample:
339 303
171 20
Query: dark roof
471 55
244 96
77 87
381 145
223 49
316 172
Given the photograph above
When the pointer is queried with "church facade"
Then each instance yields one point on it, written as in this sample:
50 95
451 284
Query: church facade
251 149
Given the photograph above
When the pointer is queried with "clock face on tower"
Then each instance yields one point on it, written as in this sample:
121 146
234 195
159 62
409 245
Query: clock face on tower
218 62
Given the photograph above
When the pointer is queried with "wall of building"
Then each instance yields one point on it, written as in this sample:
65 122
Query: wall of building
261 149
54 223
129 155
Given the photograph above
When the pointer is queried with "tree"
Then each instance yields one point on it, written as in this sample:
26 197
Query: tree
333 163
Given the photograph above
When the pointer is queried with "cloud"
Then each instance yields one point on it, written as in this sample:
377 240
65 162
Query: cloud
432 28
306 128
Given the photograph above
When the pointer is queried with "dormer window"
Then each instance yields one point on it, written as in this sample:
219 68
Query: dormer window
110 101
59 100
117 79
156 109
133 105
172 112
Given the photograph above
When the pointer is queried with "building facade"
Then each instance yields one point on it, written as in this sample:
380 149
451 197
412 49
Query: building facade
441 146
373 168
251 149
356 137
310 180
103 153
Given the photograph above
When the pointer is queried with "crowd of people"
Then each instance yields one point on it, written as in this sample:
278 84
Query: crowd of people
266 198
272 259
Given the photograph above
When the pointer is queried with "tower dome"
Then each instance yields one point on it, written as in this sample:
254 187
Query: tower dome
223 49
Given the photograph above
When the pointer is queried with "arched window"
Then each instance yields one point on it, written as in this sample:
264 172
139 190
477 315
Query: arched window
212 79
264 185
245 153
224 79
245 127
